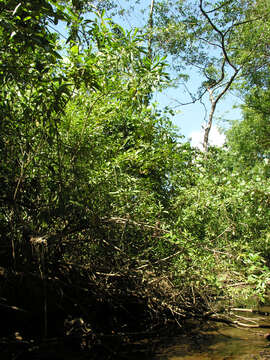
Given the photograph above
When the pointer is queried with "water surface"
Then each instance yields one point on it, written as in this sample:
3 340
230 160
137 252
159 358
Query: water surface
222 343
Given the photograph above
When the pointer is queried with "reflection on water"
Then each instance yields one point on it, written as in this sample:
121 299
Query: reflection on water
225 343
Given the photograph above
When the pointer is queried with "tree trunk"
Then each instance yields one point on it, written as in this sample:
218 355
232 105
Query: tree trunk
210 120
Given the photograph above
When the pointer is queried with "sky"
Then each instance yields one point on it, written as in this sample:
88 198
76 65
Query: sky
191 118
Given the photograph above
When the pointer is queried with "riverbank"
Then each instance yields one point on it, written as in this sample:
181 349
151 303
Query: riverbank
216 343
72 310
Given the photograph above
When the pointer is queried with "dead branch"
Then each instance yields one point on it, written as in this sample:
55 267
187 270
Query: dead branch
119 220
159 261
254 321
108 274
265 313
238 323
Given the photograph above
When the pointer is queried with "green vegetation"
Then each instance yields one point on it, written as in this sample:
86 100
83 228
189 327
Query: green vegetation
106 213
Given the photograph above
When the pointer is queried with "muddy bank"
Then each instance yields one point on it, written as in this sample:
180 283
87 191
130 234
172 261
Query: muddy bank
66 311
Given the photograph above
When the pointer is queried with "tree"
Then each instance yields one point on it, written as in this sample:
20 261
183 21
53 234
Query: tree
206 36
249 139
48 157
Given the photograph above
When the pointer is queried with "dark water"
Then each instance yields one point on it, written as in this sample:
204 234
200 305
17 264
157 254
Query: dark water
226 343
222 343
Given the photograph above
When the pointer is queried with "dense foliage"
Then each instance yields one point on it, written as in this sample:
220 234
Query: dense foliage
97 180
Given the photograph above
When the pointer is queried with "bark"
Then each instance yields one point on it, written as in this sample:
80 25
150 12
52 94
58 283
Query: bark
219 82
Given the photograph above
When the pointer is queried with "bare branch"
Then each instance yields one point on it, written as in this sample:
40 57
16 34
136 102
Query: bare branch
210 43
238 323
242 23
214 102
193 98
221 34
228 85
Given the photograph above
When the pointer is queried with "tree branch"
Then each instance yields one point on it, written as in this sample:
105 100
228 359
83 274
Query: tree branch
219 7
221 34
